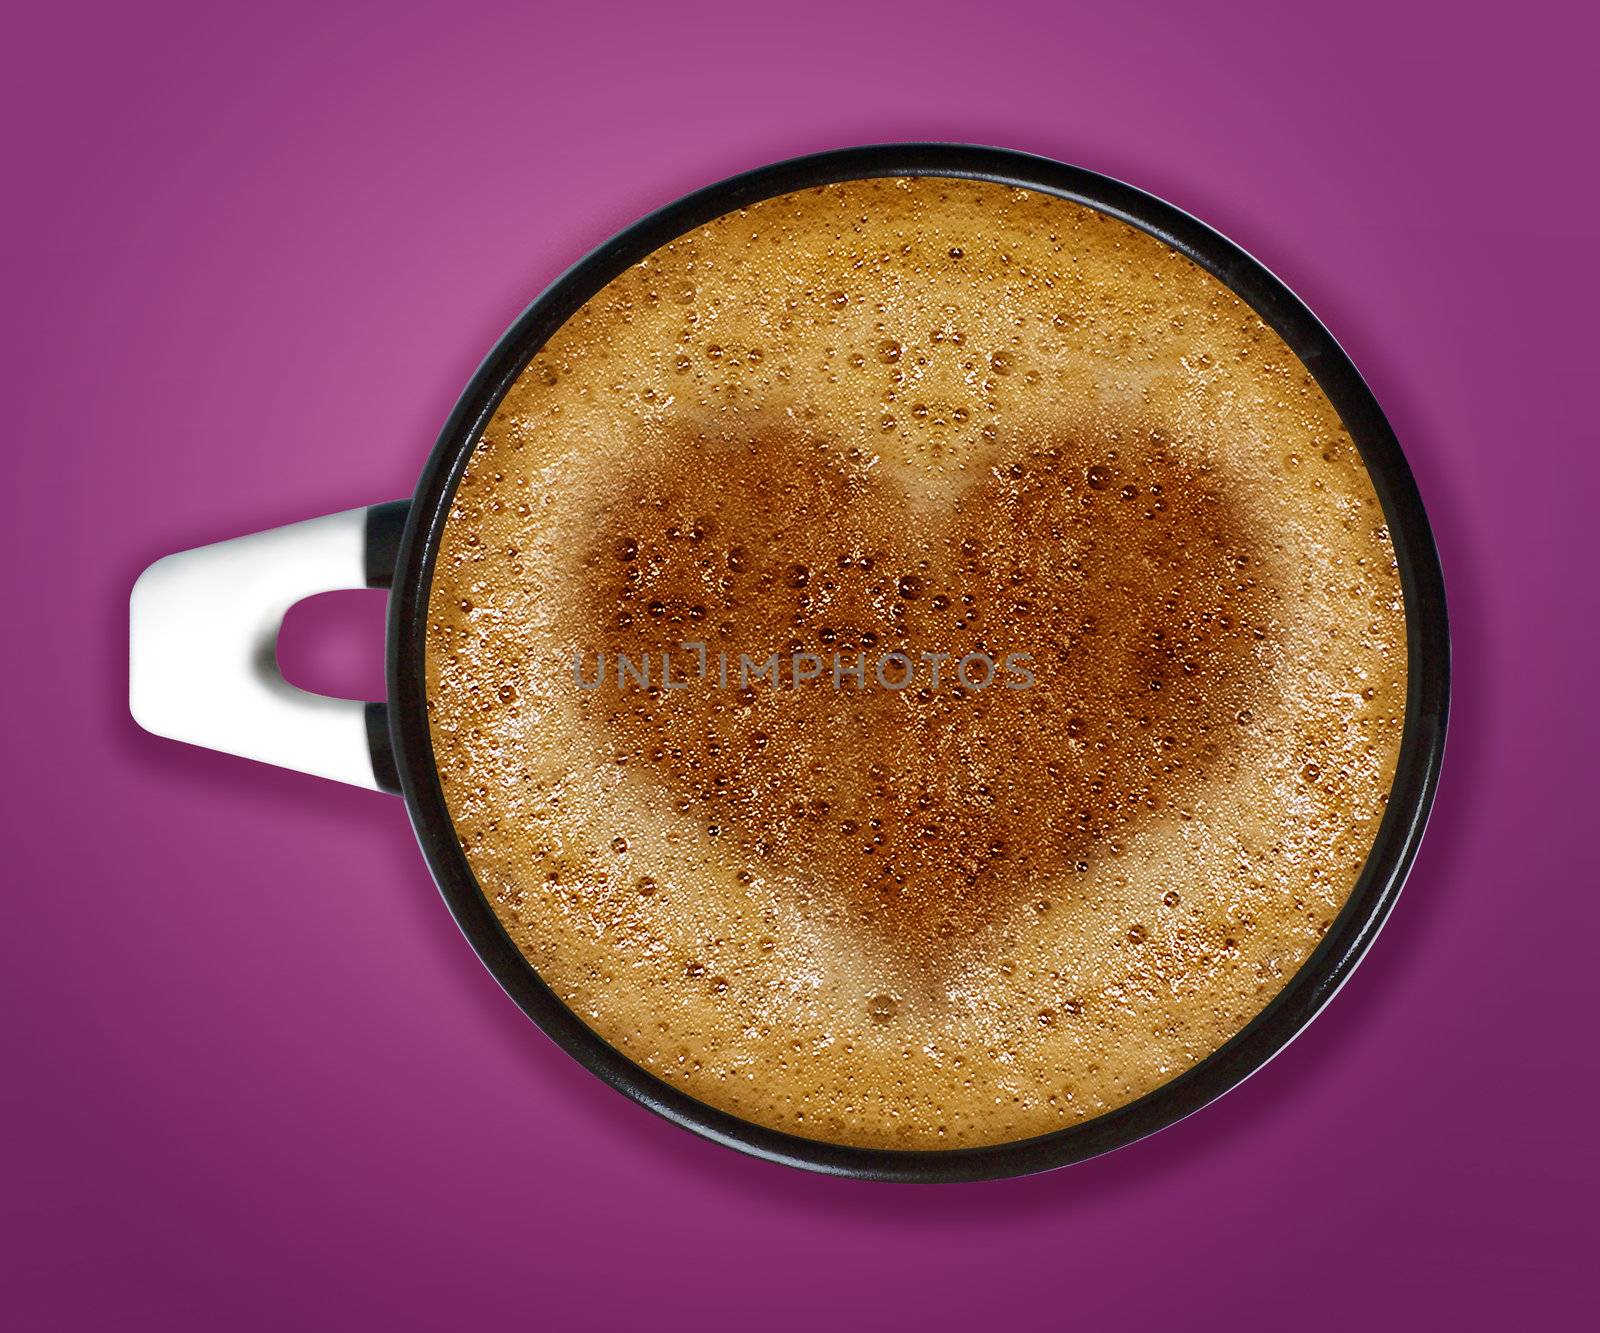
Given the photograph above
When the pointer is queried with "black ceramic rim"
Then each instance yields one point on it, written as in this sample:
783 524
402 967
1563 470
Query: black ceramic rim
1427 638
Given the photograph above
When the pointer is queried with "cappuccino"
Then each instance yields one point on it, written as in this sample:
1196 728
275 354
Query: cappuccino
916 663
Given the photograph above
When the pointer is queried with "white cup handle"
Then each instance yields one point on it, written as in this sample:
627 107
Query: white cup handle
203 634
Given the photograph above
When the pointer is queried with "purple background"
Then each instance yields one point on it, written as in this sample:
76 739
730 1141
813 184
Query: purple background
253 1078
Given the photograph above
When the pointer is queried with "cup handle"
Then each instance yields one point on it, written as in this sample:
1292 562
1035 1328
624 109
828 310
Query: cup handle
203 635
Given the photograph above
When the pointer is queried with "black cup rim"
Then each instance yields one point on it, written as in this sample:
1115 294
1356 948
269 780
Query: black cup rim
1427 632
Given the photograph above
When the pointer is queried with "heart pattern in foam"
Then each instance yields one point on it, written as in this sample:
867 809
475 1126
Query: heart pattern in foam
1107 559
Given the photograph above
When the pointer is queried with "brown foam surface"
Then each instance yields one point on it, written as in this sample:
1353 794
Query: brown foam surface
962 424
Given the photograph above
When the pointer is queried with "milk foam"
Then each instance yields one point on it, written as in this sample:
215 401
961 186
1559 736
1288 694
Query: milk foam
933 417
